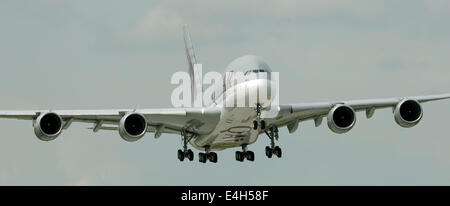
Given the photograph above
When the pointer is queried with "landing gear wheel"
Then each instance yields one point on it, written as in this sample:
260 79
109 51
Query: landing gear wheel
180 155
250 156
277 151
212 157
239 156
245 154
190 155
263 124
269 152
202 157
255 125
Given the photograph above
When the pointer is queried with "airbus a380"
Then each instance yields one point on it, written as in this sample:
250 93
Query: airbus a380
217 127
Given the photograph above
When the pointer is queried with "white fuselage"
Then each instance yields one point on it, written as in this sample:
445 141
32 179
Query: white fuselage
235 127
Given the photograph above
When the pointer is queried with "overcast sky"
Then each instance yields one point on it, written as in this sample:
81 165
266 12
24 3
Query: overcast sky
121 54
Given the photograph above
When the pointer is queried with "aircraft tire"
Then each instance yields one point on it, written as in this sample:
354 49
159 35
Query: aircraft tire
250 156
180 155
269 152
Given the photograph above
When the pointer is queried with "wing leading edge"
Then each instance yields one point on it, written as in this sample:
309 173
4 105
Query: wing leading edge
291 114
194 120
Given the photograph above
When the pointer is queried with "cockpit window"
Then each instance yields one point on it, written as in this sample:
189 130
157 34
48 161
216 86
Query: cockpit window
254 71
258 74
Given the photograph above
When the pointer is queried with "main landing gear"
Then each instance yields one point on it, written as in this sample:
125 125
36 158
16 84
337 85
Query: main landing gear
273 150
259 122
240 156
272 133
186 153
207 155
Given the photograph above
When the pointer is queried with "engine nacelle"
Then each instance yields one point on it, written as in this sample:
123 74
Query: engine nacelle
132 127
341 118
408 113
48 126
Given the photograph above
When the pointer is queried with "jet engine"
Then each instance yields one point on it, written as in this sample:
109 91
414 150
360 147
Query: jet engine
341 118
132 127
408 113
48 126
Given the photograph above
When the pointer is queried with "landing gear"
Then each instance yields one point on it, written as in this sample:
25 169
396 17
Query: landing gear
207 155
189 155
272 149
275 151
185 153
259 122
245 154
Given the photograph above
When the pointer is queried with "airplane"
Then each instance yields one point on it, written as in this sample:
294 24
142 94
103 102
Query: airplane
217 127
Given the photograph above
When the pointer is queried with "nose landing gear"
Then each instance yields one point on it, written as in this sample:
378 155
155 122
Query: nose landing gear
259 122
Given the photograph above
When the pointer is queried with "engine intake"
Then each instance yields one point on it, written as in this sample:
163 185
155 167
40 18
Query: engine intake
132 127
341 118
48 126
408 113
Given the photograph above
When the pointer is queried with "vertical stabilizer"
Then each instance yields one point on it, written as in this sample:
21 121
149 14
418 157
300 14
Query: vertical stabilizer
194 71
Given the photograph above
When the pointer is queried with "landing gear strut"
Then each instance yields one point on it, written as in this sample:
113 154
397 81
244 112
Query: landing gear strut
259 122
207 155
186 153
272 149
240 156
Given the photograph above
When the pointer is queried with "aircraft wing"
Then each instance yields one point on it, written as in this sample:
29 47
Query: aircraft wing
291 114
194 120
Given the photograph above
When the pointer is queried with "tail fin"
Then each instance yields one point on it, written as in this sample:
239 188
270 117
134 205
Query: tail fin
194 72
